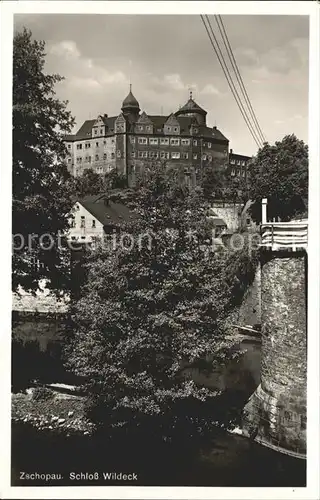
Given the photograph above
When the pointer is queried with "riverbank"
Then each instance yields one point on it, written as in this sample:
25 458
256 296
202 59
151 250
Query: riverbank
228 460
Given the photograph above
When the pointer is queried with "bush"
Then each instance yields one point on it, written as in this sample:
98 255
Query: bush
42 394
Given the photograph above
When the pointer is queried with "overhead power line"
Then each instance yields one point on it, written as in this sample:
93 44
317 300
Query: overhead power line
229 50
226 72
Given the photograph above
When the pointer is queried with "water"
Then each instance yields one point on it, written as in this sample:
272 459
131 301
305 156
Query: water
229 460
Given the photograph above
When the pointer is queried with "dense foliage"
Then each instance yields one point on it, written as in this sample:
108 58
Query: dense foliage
148 313
91 183
279 173
40 202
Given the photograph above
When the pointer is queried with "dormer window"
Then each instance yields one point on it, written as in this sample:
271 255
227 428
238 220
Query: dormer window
95 131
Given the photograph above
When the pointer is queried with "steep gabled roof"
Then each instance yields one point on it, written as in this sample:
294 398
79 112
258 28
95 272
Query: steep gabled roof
158 120
109 213
144 118
191 107
212 132
85 131
172 120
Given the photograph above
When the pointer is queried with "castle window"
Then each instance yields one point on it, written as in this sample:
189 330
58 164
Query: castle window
99 170
105 156
69 160
140 127
169 129
175 129
209 145
153 154
184 156
112 155
243 174
97 144
195 142
233 172
210 158
79 146
87 145
232 162
104 143
83 222
133 154
118 153
101 131
69 146
148 128
195 156
175 142
97 157
142 140
165 155
185 142
153 141
145 154
175 155
73 223
164 141
89 159
95 131
243 163
132 140
204 156
140 154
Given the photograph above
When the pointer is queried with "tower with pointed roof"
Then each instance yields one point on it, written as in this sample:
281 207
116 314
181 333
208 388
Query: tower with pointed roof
130 107
192 109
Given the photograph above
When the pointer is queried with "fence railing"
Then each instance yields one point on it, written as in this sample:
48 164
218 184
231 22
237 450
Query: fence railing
285 235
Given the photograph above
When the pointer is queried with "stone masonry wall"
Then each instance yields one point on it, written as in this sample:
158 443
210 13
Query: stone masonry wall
250 310
230 213
278 408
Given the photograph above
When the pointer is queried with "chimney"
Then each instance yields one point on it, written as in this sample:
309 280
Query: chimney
231 151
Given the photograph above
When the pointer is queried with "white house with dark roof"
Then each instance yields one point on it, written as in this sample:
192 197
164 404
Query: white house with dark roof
95 216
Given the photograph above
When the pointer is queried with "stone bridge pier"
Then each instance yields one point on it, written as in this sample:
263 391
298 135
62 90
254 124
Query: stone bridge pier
275 415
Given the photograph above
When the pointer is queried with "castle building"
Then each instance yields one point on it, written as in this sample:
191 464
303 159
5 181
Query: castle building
133 140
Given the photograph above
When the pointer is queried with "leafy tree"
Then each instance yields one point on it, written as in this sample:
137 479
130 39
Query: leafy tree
213 180
114 180
152 311
40 202
89 183
279 173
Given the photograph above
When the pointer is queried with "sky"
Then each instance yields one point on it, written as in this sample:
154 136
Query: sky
164 57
